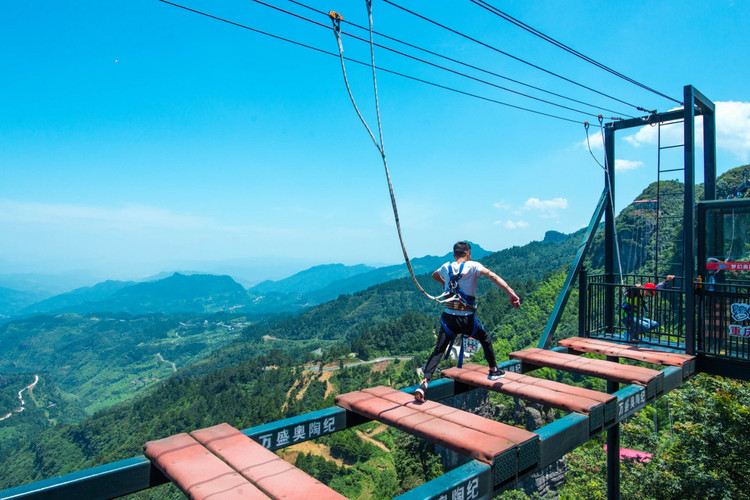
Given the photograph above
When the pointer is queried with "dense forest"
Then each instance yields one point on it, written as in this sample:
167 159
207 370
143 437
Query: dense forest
697 435
97 360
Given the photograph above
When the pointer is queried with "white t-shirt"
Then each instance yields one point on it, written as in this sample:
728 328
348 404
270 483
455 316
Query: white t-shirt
470 273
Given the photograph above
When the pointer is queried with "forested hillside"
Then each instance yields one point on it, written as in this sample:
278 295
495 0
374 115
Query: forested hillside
256 390
697 435
97 360
234 383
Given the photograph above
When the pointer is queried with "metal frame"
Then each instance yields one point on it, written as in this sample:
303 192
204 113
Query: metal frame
695 104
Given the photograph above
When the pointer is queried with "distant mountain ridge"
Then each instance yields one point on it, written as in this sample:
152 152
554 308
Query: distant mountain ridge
206 293
77 297
320 287
311 279
12 300
179 293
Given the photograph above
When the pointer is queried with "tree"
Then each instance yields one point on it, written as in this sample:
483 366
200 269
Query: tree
415 460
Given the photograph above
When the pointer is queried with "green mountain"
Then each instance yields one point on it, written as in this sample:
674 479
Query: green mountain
68 301
323 283
202 293
310 279
197 293
649 234
420 265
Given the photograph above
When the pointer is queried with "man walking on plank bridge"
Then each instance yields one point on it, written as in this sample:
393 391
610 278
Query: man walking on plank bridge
459 279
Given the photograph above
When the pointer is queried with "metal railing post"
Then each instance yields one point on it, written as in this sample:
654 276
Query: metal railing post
583 312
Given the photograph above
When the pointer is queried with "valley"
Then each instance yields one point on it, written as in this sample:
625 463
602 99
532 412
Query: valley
22 403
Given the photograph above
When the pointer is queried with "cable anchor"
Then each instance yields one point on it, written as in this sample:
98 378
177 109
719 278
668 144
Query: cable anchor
336 19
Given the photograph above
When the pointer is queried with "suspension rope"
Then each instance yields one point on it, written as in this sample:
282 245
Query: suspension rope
586 127
513 57
404 54
570 50
462 63
336 19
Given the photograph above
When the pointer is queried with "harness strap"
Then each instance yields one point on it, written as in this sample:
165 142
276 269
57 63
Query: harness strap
453 336
457 276
459 300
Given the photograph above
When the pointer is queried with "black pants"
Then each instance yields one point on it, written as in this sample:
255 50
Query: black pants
459 325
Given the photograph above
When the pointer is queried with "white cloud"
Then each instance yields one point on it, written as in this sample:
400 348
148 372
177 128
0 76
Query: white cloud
594 141
732 130
625 165
546 205
546 209
509 224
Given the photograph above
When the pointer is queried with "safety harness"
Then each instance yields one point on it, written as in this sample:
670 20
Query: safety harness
458 300
452 336
632 306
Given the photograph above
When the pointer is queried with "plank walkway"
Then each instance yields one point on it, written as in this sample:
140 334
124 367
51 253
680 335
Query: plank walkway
600 407
653 356
220 462
506 448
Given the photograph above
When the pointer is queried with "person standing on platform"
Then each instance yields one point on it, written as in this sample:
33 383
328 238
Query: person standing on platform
459 280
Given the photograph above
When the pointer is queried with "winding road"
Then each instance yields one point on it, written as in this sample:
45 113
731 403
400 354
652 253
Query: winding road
161 358
371 362
20 397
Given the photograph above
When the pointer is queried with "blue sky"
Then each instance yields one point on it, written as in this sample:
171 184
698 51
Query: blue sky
137 137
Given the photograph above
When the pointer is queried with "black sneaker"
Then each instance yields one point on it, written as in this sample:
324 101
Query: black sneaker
421 393
496 374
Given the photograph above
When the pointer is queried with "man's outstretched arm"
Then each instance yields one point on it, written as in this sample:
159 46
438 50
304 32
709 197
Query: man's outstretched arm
514 300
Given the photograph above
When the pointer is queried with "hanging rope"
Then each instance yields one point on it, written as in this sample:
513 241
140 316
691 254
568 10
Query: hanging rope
606 167
336 19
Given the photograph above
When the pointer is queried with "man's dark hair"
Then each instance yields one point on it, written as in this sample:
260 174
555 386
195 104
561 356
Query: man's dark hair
461 249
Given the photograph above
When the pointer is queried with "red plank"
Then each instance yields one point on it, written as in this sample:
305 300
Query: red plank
448 434
516 385
601 397
607 370
275 477
198 473
602 347
454 415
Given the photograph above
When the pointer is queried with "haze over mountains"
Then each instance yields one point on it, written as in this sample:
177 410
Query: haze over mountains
204 293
